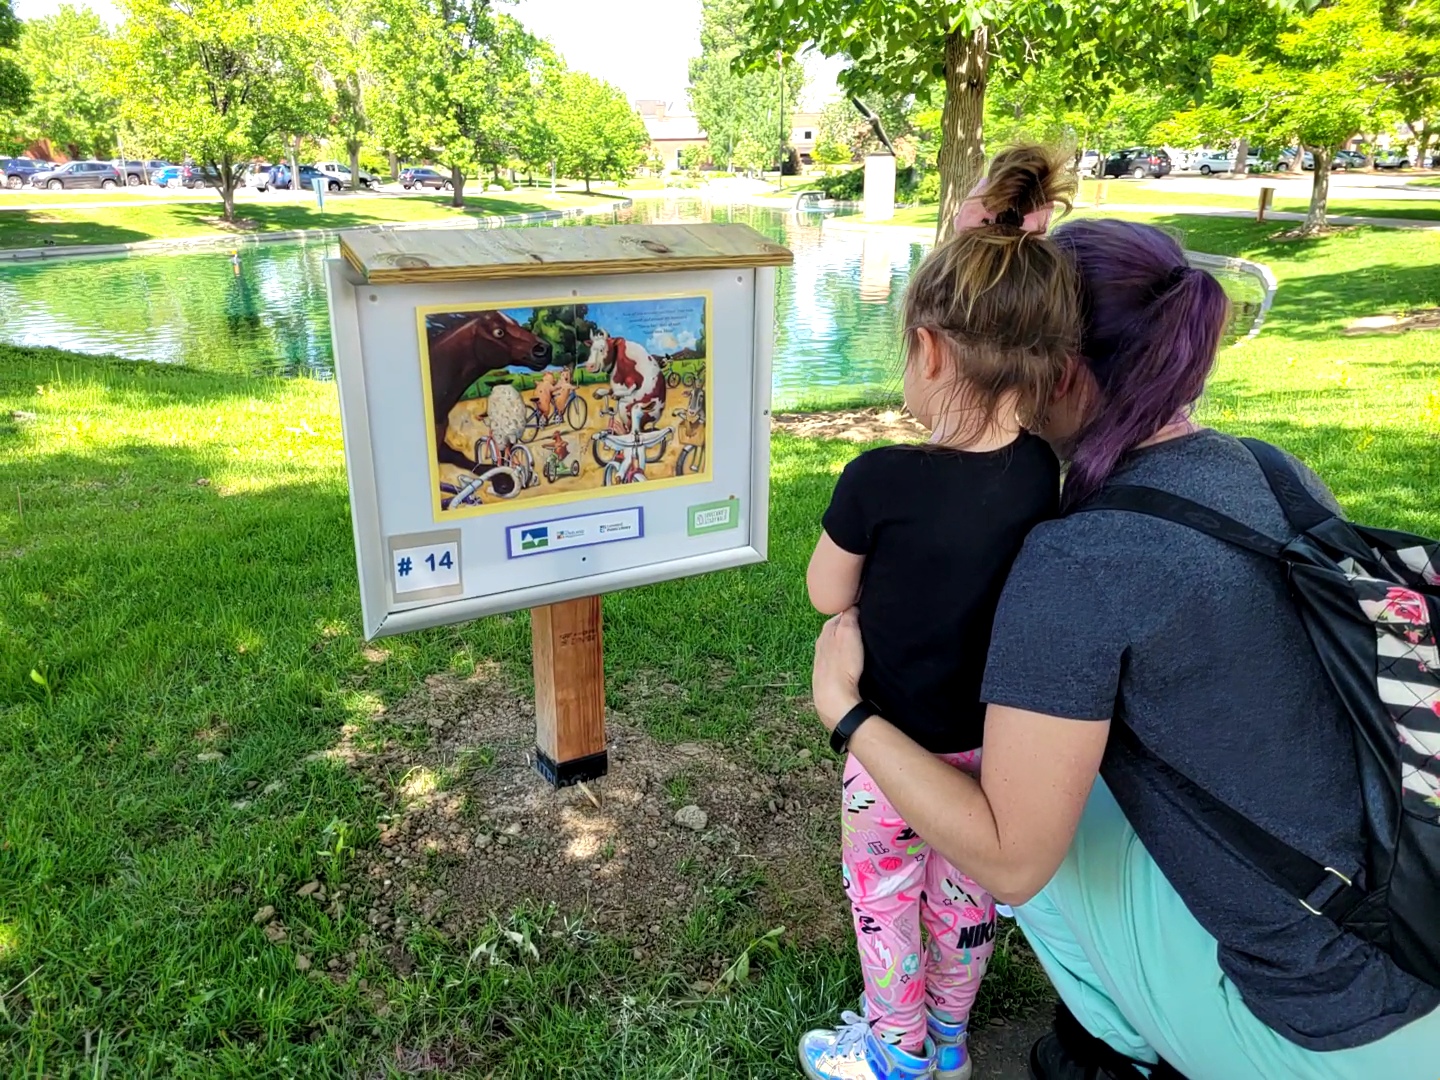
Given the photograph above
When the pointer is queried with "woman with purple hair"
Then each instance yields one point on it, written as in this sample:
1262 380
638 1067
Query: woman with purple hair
1171 954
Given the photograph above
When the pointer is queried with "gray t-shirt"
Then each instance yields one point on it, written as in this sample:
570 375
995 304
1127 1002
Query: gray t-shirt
1198 647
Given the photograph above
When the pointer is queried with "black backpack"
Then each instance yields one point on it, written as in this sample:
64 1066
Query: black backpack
1370 602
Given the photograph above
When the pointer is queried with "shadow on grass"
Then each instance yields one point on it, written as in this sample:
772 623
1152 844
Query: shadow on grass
1383 476
41 228
342 214
142 383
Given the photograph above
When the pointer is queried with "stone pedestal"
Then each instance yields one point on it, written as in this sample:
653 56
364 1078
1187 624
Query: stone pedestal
879 187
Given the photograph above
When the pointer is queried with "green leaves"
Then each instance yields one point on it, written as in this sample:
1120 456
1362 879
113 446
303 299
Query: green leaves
222 81
460 85
596 132
14 83
735 87
70 56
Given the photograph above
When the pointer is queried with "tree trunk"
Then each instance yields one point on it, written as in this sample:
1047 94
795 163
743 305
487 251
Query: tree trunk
962 123
1297 163
354 147
1242 153
587 183
457 183
295 164
1422 146
1316 220
227 194
394 166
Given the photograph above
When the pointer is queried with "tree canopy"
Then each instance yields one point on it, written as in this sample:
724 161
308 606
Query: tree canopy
735 106
1323 77
457 84
222 81
14 84
597 135
70 56
902 48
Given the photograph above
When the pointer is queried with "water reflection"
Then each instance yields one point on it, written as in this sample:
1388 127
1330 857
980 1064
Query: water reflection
837 308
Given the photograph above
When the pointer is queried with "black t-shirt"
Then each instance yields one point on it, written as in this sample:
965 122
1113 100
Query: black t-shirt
1198 647
939 529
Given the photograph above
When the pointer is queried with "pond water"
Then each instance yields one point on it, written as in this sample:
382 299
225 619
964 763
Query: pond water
837 308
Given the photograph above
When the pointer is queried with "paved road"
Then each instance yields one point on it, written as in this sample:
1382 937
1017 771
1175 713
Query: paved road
1270 215
1002 1052
1344 185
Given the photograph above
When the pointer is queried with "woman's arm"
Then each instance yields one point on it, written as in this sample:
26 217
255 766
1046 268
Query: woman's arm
834 577
1010 829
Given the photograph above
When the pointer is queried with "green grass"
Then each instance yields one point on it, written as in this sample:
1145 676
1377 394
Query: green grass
169 617
1129 193
166 617
128 224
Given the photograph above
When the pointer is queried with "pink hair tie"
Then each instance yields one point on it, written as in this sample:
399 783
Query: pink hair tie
973 213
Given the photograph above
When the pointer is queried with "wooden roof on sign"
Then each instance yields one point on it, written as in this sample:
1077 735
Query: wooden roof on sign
474 255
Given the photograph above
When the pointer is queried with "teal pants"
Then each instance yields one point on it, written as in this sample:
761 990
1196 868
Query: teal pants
1138 971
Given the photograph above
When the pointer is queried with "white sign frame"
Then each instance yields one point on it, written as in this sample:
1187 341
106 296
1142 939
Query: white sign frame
377 403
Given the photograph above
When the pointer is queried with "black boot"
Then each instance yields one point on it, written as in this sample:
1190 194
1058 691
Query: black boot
1069 1052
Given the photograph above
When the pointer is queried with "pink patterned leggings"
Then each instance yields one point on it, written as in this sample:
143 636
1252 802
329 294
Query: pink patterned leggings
895 884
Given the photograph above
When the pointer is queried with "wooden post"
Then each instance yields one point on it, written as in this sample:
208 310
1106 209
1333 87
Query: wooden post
1100 187
1267 195
567 648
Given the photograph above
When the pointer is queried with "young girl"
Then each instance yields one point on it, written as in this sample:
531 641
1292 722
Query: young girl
921 539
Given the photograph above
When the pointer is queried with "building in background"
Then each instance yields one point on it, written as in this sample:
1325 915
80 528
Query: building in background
674 129
671 132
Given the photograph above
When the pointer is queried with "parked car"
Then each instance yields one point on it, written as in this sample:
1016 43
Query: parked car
78 174
1287 158
424 177
1206 162
1138 162
281 179
1089 163
1392 159
138 172
16 172
1348 159
1260 161
340 171
193 176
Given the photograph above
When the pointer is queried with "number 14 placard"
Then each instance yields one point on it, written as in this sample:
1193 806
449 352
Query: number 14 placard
425 566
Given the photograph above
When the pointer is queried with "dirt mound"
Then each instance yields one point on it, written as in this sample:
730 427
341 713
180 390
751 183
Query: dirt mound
475 832
854 425
1423 319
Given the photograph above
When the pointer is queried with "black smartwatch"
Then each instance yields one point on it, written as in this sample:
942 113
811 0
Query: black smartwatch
840 737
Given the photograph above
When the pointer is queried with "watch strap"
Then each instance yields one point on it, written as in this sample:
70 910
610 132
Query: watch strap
840 737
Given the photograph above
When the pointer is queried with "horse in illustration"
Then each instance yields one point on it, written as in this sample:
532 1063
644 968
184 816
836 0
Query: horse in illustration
637 383
474 344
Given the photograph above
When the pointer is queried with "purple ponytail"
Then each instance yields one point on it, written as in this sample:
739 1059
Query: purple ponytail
1150 328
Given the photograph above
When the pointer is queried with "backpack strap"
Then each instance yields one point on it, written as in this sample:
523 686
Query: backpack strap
1321 890
1167 507
1302 509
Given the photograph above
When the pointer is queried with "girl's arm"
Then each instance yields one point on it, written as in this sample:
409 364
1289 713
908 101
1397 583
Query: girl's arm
834 577
1010 829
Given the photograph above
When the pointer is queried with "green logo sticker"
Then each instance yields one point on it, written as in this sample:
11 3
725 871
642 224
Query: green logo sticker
713 517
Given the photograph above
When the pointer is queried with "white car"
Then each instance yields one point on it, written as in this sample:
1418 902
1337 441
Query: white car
340 171
1206 162
1089 163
